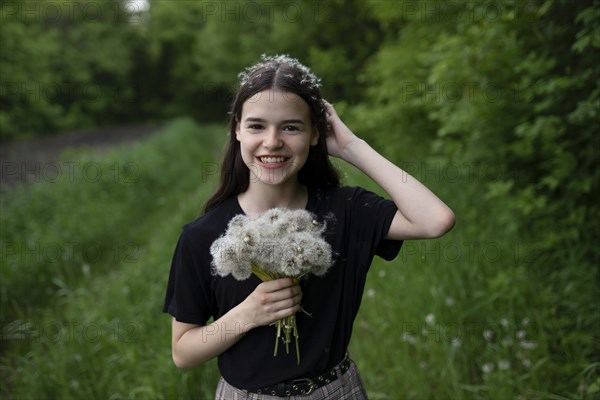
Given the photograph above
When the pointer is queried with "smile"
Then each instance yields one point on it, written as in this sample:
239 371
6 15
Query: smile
272 160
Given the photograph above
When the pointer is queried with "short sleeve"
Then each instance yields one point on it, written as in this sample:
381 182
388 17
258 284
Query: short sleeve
189 296
372 216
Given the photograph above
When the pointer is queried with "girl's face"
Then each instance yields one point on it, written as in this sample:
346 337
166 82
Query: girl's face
275 134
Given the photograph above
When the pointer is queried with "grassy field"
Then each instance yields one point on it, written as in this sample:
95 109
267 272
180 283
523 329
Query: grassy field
85 260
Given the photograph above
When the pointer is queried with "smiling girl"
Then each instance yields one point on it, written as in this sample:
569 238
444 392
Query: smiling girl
281 135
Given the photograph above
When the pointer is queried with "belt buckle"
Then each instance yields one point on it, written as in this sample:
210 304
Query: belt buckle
311 385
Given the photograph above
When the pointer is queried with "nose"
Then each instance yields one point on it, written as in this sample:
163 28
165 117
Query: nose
272 139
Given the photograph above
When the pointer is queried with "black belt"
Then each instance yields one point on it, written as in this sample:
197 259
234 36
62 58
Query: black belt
303 387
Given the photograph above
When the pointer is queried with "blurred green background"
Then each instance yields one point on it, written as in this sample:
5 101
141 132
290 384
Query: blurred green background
494 105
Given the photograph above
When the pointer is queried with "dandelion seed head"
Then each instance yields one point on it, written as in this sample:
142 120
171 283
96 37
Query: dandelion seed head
242 271
271 215
281 242
325 257
237 222
227 259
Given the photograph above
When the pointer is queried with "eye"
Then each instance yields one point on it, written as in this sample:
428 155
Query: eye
254 127
291 128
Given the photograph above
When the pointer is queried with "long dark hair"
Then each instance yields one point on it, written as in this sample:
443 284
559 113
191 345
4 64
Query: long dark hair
287 74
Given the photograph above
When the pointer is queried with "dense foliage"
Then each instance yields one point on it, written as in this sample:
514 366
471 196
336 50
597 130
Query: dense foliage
495 105
81 64
509 94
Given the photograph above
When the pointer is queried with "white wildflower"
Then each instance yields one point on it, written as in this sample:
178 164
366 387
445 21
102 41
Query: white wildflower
504 322
430 319
526 362
449 301
487 367
305 75
521 334
381 273
503 365
407 337
371 293
489 335
528 344
456 342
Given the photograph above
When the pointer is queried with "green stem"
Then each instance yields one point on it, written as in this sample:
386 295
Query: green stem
277 335
288 324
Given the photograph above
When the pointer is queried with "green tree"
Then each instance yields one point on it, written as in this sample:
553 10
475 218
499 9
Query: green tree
511 86
66 65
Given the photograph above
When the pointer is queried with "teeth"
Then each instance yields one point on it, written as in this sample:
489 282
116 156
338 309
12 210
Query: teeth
272 159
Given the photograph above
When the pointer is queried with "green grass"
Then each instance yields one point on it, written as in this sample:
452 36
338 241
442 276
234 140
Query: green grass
96 214
471 316
97 331
431 323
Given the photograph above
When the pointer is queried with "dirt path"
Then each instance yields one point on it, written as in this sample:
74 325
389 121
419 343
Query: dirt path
20 161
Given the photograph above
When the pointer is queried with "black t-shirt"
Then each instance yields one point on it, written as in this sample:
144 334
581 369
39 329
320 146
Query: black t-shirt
357 222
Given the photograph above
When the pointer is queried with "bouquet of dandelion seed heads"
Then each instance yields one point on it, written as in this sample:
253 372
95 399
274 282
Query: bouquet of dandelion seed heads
280 243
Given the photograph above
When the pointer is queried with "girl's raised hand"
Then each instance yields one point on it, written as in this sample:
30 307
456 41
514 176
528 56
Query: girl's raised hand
339 136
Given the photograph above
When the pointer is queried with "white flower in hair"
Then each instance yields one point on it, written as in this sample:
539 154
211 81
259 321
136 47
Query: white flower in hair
272 62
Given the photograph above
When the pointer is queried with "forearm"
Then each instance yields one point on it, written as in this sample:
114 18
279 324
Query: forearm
423 210
201 344
270 301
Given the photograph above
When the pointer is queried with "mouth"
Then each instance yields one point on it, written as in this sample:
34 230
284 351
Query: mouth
272 161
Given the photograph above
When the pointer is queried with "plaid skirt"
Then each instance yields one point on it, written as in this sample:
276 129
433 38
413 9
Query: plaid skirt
347 387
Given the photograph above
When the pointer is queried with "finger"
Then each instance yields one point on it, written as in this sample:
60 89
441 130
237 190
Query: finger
275 285
285 307
287 302
284 294
276 290
283 313
329 129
